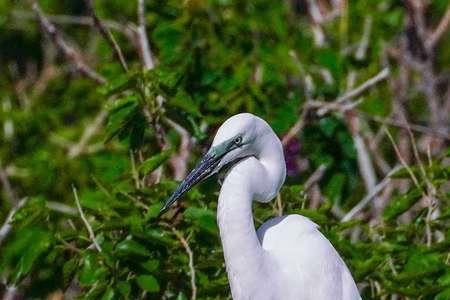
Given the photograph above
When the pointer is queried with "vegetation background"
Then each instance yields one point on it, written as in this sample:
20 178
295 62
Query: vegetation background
106 104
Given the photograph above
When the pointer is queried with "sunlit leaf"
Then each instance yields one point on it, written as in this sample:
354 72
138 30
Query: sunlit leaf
148 283
154 162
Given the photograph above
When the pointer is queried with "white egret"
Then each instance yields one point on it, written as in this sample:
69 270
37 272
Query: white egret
287 258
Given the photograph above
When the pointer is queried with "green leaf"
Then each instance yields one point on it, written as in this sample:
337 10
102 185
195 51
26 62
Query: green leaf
131 247
334 188
154 162
121 116
148 283
119 84
181 296
198 133
37 245
402 203
314 215
69 269
91 271
153 211
151 265
420 262
109 294
122 103
204 218
124 288
158 236
97 202
444 295
444 280
184 102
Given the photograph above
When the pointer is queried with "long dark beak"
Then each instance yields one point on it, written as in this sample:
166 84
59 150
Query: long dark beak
203 170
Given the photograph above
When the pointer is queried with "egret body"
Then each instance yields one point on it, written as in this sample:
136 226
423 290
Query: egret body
287 257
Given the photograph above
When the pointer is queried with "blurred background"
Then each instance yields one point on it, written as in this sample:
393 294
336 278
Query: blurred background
104 106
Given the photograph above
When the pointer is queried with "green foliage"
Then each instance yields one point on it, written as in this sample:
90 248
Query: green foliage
215 58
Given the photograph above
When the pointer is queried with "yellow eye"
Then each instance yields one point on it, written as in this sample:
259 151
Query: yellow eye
238 140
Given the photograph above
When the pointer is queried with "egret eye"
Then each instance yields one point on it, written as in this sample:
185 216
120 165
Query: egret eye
238 140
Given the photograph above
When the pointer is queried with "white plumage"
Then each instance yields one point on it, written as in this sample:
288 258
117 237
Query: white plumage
287 258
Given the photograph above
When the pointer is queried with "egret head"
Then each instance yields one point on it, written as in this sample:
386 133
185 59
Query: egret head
240 136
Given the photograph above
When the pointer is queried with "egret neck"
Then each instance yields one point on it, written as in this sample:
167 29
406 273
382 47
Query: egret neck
248 180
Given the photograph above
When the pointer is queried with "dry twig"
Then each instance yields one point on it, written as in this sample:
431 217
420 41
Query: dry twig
365 163
382 75
9 191
324 107
85 221
191 261
179 161
6 227
71 55
370 196
414 127
315 177
144 47
361 51
106 34
75 20
88 133
298 126
440 29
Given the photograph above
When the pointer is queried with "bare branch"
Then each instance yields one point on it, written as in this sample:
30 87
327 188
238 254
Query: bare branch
75 20
179 161
315 177
106 34
440 30
402 160
361 51
61 208
7 187
298 126
324 107
382 75
279 205
191 261
88 133
11 293
371 195
365 163
6 227
414 127
144 47
317 19
71 55
85 221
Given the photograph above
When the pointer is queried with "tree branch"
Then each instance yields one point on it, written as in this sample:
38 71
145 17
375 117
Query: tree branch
315 177
382 75
440 30
85 221
191 261
7 187
144 47
75 20
106 34
298 126
6 227
371 195
71 55
179 161
88 133
413 127
324 107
